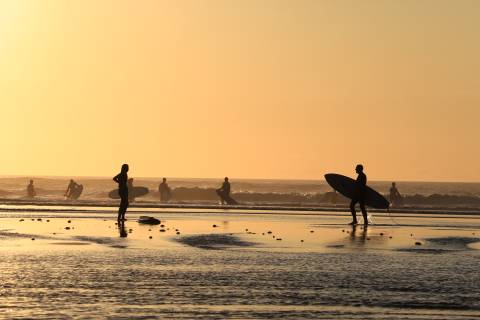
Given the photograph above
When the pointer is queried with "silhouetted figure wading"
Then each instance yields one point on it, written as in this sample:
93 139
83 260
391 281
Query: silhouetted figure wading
73 190
122 179
359 197
224 193
165 191
395 197
31 190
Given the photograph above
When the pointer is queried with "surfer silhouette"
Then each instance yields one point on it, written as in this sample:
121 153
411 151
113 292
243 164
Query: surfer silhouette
224 192
359 197
31 190
72 186
395 197
164 190
122 179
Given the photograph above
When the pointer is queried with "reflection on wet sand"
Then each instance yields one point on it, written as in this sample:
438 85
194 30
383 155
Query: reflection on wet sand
250 274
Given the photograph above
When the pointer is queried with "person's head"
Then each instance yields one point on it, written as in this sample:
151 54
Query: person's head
164 179
130 181
226 179
31 181
124 168
393 184
359 168
71 181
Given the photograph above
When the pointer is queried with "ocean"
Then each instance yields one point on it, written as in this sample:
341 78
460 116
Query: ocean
251 191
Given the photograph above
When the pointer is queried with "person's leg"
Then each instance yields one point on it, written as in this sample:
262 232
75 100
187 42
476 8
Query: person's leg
125 210
352 210
364 212
220 195
122 208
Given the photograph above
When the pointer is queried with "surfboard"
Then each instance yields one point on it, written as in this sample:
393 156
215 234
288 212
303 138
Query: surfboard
136 192
77 192
347 187
148 220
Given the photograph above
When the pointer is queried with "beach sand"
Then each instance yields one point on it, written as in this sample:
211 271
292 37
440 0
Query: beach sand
237 264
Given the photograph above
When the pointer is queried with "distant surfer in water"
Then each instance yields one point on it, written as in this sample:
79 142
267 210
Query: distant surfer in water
31 190
164 190
122 179
224 193
395 197
72 186
359 197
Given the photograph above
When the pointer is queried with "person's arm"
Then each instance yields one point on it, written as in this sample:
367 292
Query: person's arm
116 178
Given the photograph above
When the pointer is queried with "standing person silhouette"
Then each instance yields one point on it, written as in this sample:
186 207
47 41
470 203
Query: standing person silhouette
165 191
359 196
224 192
122 179
31 190
395 197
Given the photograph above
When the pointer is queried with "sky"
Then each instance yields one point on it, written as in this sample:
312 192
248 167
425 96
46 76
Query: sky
276 89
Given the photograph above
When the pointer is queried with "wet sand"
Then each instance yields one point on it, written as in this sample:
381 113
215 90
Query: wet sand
235 264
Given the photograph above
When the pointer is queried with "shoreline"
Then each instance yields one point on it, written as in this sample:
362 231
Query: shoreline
22 204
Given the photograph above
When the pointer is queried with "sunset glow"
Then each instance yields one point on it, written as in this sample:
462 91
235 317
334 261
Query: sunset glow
249 89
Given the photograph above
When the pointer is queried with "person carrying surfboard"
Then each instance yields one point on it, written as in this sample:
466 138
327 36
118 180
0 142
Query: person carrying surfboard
122 179
70 189
359 197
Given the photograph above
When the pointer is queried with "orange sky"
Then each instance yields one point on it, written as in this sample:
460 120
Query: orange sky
245 88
